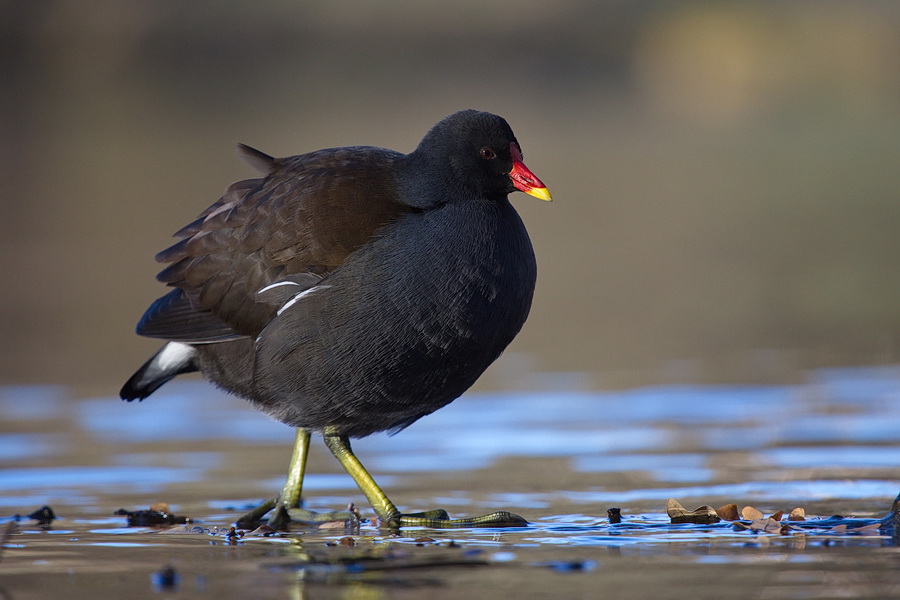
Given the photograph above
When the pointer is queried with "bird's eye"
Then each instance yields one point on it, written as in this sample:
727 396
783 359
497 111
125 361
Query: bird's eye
488 153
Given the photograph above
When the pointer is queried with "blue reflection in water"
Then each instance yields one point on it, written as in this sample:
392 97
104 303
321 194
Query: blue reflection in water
181 411
797 491
32 402
860 385
137 479
19 446
832 457
842 418
432 443
662 467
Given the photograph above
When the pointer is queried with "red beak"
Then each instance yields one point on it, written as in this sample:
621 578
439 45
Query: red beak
523 179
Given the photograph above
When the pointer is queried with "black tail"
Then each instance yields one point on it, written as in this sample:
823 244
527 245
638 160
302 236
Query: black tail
172 359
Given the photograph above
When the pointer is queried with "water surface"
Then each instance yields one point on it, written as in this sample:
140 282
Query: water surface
559 459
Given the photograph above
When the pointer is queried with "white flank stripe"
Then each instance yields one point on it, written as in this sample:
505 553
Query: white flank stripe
275 285
300 295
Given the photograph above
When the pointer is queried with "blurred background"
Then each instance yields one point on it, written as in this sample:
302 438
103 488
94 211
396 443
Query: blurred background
726 175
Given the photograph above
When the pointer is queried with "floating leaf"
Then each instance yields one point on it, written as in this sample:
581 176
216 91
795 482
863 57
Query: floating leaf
703 515
871 529
421 541
765 525
674 507
798 514
751 514
729 512
177 529
264 531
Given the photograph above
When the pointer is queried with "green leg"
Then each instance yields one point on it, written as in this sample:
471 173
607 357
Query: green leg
287 504
385 509
293 485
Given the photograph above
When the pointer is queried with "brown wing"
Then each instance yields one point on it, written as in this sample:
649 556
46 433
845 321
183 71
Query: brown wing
305 218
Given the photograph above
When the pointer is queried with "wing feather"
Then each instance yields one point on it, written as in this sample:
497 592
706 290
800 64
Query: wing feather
304 219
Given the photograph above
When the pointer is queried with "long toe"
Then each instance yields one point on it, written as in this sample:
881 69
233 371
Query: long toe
439 519
252 519
301 515
281 516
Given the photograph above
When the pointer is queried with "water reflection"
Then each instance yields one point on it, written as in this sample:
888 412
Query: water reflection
57 480
780 494
559 458
672 436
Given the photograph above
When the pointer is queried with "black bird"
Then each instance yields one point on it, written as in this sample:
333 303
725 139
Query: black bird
353 290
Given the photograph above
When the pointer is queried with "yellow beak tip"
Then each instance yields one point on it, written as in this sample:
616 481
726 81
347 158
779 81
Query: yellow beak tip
542 193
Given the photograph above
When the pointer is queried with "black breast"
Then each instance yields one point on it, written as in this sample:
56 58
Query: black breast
405 326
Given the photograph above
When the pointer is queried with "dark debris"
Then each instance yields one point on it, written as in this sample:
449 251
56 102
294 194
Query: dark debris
157 515
165 579
44 515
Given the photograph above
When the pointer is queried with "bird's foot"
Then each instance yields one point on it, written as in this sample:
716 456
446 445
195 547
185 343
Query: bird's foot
253 518
439 519
282 515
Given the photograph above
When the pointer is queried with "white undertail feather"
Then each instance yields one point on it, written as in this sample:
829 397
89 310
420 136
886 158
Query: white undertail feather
174 355
172 359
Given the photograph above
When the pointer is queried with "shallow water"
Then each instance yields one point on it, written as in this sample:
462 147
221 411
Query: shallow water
559 459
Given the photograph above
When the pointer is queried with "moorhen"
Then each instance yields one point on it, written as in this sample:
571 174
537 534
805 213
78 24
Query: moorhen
353 290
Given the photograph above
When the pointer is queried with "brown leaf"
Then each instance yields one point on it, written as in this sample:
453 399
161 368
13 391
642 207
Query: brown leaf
798 514
872 529
777 516
176 529
751 514
729 512
674 508
703 515
765 525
